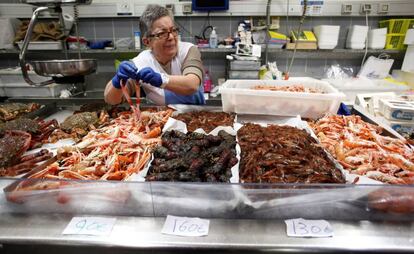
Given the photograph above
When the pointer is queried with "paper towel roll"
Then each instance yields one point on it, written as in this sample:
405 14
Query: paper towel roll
68 21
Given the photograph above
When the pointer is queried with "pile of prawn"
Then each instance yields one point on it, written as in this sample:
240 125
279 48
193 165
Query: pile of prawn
361 150
290 88
112 152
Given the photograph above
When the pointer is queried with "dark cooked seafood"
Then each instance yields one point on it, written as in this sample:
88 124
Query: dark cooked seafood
113 111
193 157
78 125
12 146
81 120
283 154
39 129
208 121
9 111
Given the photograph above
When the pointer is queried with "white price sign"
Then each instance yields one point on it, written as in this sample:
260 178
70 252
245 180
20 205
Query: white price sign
184 226
308 228
98 226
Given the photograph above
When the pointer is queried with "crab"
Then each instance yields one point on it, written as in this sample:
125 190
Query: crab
40 130
13 144
78 125
10 111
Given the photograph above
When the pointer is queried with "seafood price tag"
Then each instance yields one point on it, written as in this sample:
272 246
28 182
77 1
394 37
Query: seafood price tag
98 226
184 226
308 228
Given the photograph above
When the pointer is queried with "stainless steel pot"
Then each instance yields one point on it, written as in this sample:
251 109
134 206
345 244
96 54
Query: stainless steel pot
64 68
52 68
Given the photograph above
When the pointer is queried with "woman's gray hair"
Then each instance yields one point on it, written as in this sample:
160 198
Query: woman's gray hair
150 15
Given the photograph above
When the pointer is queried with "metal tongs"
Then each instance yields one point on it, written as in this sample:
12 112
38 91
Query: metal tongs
136 112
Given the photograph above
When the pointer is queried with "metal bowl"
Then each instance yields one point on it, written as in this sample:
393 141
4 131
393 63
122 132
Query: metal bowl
64 68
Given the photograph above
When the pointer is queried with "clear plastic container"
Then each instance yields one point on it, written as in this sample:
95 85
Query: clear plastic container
354 86
237 96
243 201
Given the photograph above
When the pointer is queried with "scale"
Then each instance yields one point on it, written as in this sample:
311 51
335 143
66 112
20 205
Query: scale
61 71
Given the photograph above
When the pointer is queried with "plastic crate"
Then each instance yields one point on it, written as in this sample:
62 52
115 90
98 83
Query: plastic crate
397 26
237 96
395 41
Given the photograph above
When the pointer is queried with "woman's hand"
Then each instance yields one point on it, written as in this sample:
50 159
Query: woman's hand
148 75
126 70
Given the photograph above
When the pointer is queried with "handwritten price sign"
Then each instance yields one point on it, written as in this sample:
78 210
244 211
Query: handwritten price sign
98 226
184 226
308 228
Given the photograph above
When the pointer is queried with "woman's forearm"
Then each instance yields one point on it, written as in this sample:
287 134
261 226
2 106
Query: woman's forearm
112 95
183 85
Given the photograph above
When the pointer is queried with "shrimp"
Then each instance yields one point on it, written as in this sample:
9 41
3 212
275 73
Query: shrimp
379 176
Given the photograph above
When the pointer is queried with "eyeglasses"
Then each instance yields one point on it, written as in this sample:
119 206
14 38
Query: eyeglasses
166 34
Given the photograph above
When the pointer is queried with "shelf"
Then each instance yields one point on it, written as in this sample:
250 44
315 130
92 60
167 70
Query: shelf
321 53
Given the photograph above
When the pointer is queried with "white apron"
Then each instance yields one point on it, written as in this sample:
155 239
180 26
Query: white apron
158 95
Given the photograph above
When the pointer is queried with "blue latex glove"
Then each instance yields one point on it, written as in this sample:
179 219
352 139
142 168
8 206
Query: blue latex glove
148 75
126 70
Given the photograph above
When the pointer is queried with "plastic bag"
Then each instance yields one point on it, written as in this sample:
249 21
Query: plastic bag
337 71
270 73
377 68
7 28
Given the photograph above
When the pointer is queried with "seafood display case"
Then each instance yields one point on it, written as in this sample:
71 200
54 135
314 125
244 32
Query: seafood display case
236 211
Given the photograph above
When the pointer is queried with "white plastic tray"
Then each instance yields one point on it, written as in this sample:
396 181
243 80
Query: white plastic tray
237 96
12 84
42 45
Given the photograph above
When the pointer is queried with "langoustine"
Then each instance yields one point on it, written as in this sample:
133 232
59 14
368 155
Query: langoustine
113 152
361 150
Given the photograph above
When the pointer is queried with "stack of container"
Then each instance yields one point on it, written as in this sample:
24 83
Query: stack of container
327 36
377 38
244 69
357 36
399 114
396 30
277 40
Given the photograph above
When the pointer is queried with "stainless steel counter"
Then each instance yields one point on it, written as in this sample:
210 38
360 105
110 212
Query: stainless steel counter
234 235
255 235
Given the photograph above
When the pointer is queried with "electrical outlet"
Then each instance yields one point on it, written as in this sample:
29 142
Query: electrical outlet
187 9
125 7
366 8
346 8
383 8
